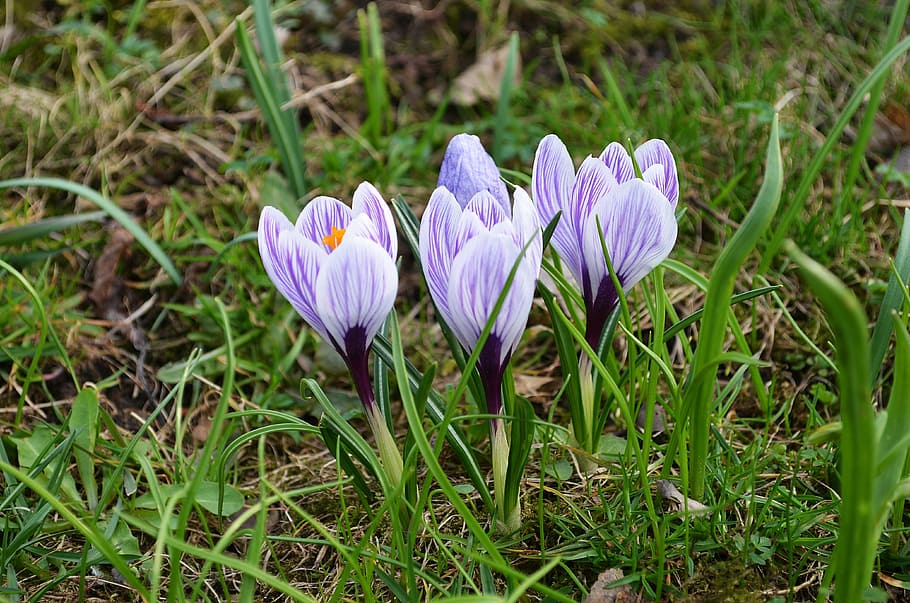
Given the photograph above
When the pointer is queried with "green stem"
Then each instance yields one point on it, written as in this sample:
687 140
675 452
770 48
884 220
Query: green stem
388 449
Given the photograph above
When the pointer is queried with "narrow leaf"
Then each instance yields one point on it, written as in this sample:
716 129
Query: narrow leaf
84 425
109 207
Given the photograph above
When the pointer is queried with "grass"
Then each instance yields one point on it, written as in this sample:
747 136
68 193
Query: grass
157 442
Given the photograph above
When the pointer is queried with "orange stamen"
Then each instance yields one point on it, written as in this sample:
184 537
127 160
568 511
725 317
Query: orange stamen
333 240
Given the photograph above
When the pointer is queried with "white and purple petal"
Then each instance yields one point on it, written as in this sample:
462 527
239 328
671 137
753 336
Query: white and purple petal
355 291
488 208
468 169
320 216
656 152
526 227
438 231
291 262
297 265
478 277
551 177
367 200
593 181
271 223
617 159
639 231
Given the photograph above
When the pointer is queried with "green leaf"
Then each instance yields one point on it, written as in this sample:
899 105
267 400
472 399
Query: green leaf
503 105
206 497
40 229
895 438
894 297
84 425
35 452
435 408
699 395
568 360
334 441
854 553
109 207
270 90
521 438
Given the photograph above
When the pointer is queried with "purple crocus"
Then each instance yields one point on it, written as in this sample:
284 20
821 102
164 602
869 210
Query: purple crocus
467 254
470 240
468 169
635 217
336 267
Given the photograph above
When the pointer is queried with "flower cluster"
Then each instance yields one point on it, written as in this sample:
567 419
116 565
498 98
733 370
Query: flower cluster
481 256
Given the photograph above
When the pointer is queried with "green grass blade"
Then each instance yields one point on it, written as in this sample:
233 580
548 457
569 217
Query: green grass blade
284 131
429 455
699 396
435 408
373 66
616 96
205 465
854 552
864 132
40 229
89 530
520 440
796 204
503 105
109 207
892 452
568 360
894 297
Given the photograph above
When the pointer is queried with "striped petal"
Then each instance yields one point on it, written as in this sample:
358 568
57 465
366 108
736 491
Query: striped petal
367 200
594 180
478 277
271 223
355 291
551 177
655 152
298 264
320 216
526 227
639 231
488 208
468 169
617 159
292 263
438 228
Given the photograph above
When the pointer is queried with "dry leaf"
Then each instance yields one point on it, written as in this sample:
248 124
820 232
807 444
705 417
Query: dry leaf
531 385
107 285
658 424
600 593
666 490
890 130
482 81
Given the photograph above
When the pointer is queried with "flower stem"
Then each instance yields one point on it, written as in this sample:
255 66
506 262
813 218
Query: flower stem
388 448
385 441
508 515
584 431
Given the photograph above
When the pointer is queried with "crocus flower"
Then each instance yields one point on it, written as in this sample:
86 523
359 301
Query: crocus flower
635 217
467 169
469 241
605 206
468 247
336 267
